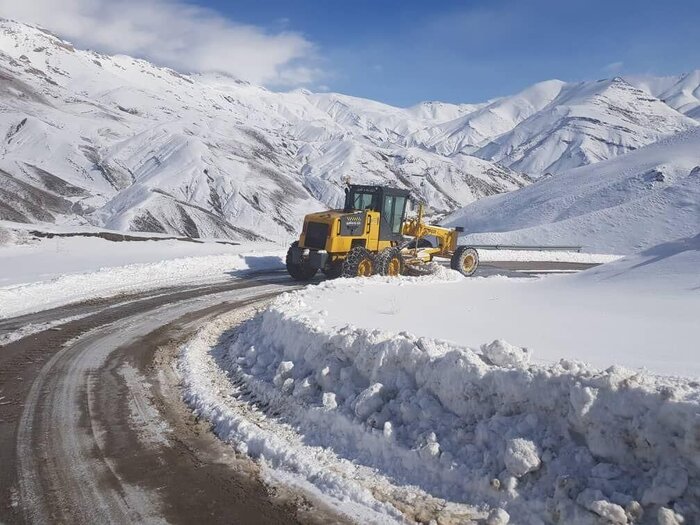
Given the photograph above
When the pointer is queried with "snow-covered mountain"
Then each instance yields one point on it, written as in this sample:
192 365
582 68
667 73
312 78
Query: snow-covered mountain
117 142
681 92
120 143
622 205
478 128
586 123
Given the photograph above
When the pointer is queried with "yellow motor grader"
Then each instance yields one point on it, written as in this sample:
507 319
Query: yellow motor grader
371 235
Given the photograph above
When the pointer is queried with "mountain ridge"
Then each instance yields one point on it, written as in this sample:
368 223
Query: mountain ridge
118 142
621 205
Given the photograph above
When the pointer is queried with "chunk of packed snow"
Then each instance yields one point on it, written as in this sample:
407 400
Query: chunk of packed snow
502 353
369 400
329 401
594 501
521 456
498 517
668 484
667 517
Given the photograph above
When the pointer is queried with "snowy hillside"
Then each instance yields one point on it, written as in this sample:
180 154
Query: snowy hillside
680 92
469 132
586 123
553 126
622 205
119 143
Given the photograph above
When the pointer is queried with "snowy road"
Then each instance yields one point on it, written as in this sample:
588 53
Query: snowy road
92 428
92 425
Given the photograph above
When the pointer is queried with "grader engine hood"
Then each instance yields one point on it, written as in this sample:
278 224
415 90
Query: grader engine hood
318 227
352 224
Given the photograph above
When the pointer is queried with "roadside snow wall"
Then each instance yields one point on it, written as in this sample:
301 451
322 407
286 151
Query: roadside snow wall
562 443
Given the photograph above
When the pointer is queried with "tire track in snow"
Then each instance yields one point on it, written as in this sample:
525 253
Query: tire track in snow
72 450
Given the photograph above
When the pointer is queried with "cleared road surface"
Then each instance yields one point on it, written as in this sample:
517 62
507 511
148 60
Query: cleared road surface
93 428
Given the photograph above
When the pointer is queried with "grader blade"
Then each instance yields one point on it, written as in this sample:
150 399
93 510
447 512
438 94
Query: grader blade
421 269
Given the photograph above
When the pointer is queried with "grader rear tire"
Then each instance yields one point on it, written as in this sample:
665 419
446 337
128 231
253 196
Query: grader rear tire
465 260
298 272
359 263
390 262
333 271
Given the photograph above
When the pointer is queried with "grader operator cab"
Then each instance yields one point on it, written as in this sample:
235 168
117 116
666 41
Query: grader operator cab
371 235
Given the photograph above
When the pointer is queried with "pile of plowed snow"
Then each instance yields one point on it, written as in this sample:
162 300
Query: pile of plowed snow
483 426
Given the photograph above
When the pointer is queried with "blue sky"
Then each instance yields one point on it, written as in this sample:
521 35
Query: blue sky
405 51
396 51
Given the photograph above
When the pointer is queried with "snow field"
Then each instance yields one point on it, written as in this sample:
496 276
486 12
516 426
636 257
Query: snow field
561 442
648 322
487 255
54 272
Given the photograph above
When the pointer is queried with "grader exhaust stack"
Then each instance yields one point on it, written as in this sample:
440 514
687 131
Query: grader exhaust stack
371 235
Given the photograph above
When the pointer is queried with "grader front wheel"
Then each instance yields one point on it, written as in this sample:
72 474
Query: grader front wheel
465 260
359 263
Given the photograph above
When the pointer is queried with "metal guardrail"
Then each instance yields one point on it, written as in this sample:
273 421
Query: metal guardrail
526 248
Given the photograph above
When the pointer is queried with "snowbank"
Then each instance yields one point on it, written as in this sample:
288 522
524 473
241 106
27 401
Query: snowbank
562 442
671 267
52 272
488 255
640 323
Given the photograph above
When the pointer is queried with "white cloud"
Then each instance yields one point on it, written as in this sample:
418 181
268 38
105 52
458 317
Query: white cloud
172 33
614 67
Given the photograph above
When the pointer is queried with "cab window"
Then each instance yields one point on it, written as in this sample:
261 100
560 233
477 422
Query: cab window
393 211
359 200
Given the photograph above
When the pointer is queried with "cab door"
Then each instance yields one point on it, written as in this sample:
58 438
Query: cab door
393 210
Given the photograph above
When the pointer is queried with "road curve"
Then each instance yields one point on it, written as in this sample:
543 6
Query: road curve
93 429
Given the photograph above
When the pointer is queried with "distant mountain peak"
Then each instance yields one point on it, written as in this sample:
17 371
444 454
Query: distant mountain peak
585 123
